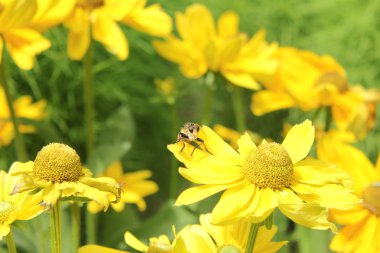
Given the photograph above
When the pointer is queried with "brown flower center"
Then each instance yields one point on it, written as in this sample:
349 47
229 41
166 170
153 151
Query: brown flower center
6 209
371 198
269 166
57 162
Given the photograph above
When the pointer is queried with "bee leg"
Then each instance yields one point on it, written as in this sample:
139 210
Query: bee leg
197 146
182 147
203 142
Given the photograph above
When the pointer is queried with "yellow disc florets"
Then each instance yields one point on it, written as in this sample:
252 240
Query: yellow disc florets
228 249
269 166
159 247
371 198
57 162
6 210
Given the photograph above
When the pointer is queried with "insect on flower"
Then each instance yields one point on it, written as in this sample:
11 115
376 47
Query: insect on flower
189 134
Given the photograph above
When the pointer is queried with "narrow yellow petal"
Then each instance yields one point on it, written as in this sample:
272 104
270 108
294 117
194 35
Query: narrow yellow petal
228 24
91 248
242 79
135 243
246 145
268 101
4 230
299 140
79 34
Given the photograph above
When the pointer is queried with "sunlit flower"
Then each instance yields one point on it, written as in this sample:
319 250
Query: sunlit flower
232 136
361 224
99 19
257 179
205 46
57 171
134 187
22 42
21 206
151 20
209 238
308 81
24 108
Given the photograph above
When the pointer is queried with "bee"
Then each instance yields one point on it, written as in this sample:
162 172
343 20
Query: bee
189 133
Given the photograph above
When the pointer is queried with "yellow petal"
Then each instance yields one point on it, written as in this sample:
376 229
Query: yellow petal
91 248
242 79
213 175
197 193
79 34
23 46
269 101
108 32
246 145
4 230
17 14
351 216
94 207
50 195
299 140
228 24
135 243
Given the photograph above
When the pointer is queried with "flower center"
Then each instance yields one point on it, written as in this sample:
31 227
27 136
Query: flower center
57 162
228 249
6 209
269 166
334 78
159 247
371 198
90 4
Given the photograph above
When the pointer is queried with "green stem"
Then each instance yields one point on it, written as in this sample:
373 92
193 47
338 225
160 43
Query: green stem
328 119
238 107
89 100
19 141
10 243
55 228
91 227
209 82
76 223
174 163
252 237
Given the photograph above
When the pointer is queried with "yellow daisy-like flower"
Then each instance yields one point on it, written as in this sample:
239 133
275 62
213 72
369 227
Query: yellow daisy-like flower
361 224
99 19
57 171
204 46
308 81
21 206
258 179
209 238
134 187
24 108
23 43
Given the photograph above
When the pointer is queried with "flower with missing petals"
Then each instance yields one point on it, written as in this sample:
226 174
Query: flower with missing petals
57 172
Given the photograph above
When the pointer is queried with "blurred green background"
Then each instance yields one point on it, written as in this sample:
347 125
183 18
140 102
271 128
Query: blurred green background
134 123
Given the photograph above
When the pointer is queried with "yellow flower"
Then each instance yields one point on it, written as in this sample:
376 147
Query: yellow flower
24 108
151 20
22 42
308 81
99 19
208 238
361 223
257 179
21 206
58 173
204 46
134 188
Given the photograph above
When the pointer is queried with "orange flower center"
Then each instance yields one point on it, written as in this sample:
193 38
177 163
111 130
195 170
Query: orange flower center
371 198
269 166
6 209
90 4
57 162
159 247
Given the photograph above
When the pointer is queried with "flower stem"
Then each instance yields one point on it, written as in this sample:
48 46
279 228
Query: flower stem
89 100
76 223
328 119
209 82
10 243
252 237
55 228
91 227
174 164
238 107
19 141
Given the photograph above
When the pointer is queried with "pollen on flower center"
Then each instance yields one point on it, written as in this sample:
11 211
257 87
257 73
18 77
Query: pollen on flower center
269 166
90 4
159 247
57 162
228 249
6 209
371 198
